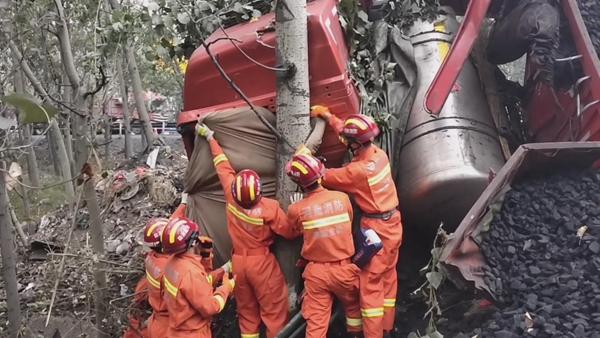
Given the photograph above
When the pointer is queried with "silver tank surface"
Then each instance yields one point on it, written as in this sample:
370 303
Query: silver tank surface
445 161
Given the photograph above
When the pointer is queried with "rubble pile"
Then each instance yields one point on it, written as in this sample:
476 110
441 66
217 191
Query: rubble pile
542 251
128 198
590 11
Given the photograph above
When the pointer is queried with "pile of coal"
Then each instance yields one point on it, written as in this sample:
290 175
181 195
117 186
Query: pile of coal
543 255
590 11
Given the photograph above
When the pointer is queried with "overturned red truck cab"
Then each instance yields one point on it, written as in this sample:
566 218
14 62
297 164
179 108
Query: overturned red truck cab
205 91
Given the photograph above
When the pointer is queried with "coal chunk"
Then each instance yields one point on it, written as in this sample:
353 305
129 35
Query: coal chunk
545 277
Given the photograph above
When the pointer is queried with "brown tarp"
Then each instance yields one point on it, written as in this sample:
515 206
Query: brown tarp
249 145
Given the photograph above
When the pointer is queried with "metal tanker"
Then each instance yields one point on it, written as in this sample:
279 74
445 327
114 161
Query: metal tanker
446 160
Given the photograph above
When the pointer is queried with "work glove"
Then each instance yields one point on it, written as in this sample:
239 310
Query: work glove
184 198
319 111
206 246
303 150
227 267
204 131
228 283
295 197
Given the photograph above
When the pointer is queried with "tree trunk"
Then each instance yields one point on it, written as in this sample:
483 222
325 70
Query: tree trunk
32 165
62 159
107 138
69 144
9 262
52 153
126 120
67 99
136 84
81 156
138 93
293 121
97 236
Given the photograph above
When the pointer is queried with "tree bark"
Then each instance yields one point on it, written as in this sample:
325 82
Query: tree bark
126 120
293 121
81 156
9 261
62 159
32 165
68 134
107 138
97 235
52 153
138 90
138 93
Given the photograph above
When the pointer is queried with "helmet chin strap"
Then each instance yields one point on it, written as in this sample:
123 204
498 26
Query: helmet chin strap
354 147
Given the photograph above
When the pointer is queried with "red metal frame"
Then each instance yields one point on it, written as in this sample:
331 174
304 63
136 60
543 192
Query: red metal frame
459 52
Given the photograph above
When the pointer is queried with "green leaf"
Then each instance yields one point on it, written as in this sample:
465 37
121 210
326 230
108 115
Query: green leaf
29 110
183 18
153 6
435 278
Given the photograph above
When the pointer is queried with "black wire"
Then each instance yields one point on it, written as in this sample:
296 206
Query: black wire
276 69
234 86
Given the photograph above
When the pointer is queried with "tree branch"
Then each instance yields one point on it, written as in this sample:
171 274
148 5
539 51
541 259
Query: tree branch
100 83
66 51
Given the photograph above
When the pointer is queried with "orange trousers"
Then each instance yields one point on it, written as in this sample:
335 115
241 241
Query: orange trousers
323 281
261 293
158 325
379 279
135 329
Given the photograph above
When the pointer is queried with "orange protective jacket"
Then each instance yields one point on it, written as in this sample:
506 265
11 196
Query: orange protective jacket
190 298
248 228
367 178
325 219
155 267
135 329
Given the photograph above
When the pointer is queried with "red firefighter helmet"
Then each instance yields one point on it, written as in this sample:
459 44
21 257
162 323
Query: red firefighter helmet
153 232
304 170
246 189
177 236
360 129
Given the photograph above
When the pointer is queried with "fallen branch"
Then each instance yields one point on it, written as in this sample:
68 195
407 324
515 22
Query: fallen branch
18 226
61 266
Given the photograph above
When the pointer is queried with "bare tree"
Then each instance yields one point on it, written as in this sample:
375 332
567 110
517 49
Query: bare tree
293 121
125 98
62 159
32 165
9 261
136 84
56 142
81 156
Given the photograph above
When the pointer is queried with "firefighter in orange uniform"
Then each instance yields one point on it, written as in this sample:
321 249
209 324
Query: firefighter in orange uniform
205 245
252 221
367 178
136 328
188 295
324 217
155 266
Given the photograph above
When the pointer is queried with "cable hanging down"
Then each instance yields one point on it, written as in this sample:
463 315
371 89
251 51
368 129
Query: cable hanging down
234 86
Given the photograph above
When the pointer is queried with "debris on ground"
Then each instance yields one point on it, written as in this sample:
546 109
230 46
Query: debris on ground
128 197
543 263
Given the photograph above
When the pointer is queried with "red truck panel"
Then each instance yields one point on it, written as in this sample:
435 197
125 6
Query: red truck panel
206 91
